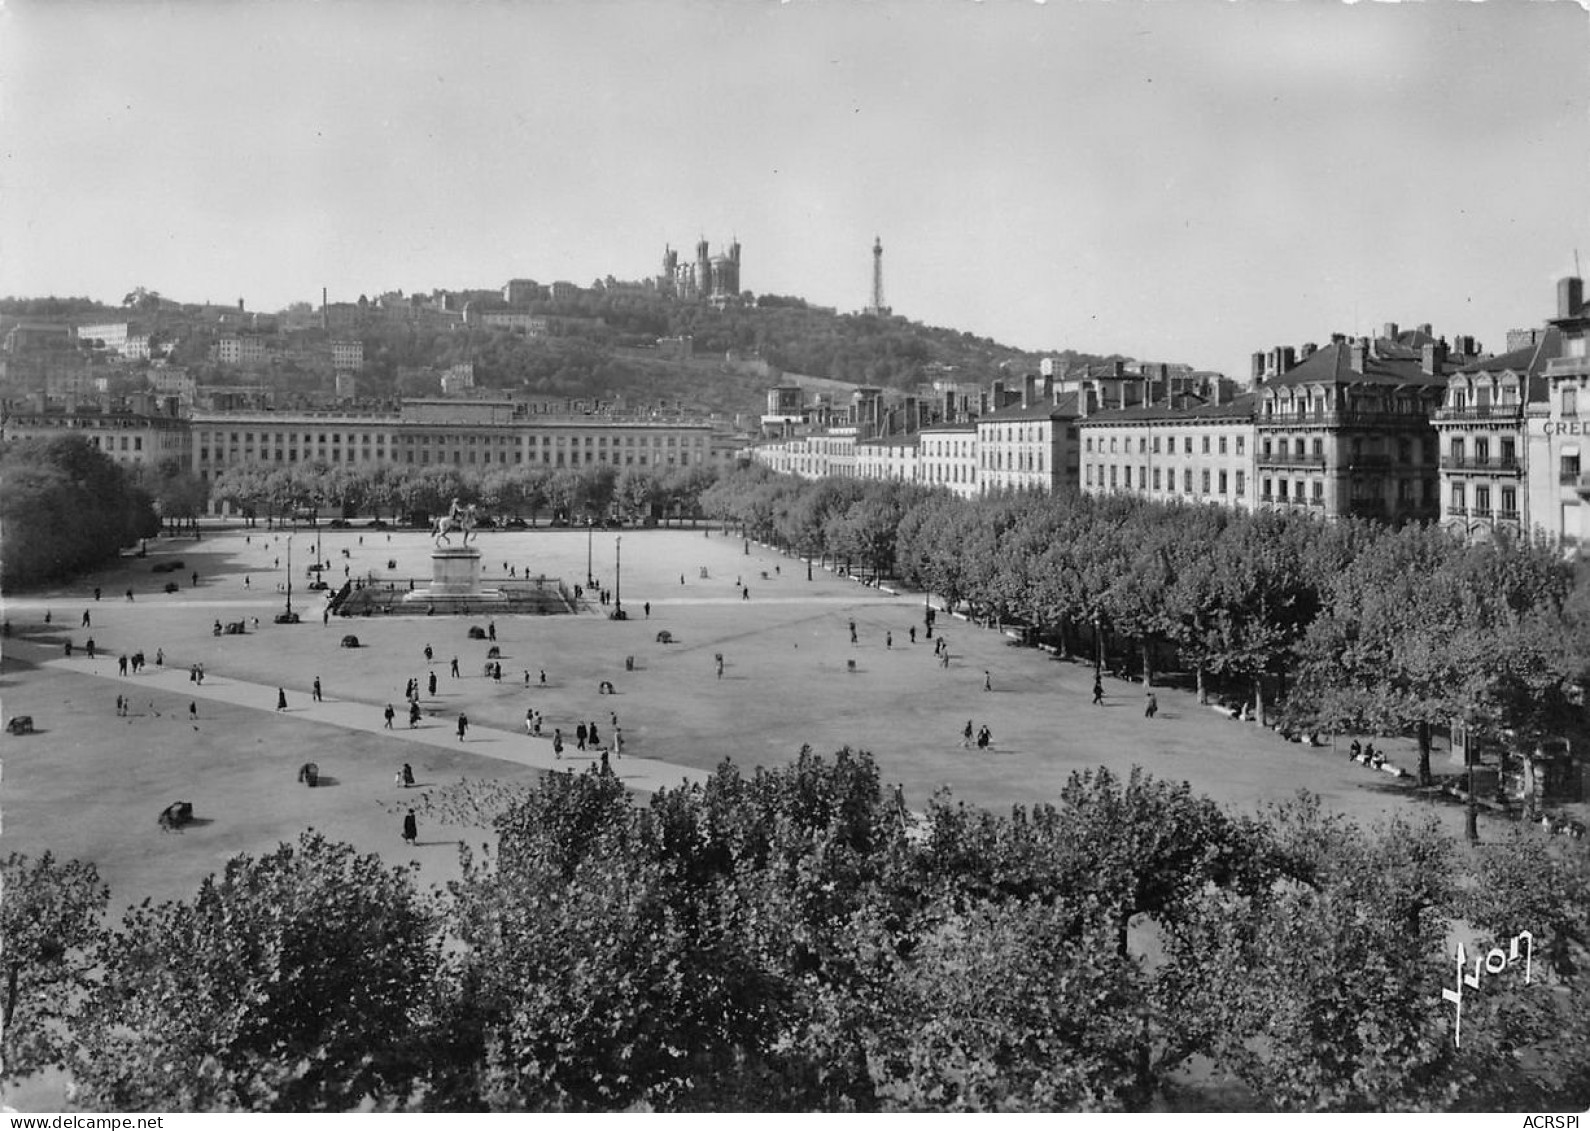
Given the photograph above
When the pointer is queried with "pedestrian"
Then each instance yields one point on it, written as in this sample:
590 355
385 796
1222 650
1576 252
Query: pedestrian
96 592
613 715
988 681
618 741
414 713
985 738
195 579
529 721
121 664
1153 707
390 715
888 639
557 742
201 675
317 690
913 634
281 699
527 677
543 677
193 673
193 711
408 776
129 595
85 619
120 705
1098 691
431 685
47 616
579 737
930 630
745 594
160 657
606 766
90 647
411 828
491 630
681 579
590 734
647 607
720 666
463 725
455 667
496 672
245 582
966 735
537 727
852 632
325 617
944 659
428 653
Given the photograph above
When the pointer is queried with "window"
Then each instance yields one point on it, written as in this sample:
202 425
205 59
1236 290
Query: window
1156 445
1281 489
1457 449
1482 500
1222 480
1318 449
1570 401
1319 491
1112 476
1128 477
1088 475
1241 476
1186 445
1186 479
1509 502
1509 453
1222 447
1156 479
1482 451
1570 469
1241 444
1206 445
1457 497
1203 488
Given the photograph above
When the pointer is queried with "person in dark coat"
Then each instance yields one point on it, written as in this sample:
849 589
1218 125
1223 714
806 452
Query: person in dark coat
579 736
408 775
590 734
414 713
557 742
463 726
411 828
1153 706
281 699
1098 692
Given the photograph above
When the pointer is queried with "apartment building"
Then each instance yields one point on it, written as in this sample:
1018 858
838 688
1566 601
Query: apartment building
1557 488
947 457
1186 450
134 440
1033 445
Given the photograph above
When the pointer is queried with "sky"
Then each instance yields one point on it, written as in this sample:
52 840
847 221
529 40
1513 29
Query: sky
1182 180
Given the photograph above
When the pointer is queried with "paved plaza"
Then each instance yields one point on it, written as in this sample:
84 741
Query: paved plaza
92 782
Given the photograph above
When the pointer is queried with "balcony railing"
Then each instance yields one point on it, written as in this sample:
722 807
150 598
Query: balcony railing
1480 512
1286 459
1568 367
1368 461
1474 463
1506 516
1344 419
1457 512
1498 412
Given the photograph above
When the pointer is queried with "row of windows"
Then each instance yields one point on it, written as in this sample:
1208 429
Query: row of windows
1120 475
1482 500
1144 446
460 438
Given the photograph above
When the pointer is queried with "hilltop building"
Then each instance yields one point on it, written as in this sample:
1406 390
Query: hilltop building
711 278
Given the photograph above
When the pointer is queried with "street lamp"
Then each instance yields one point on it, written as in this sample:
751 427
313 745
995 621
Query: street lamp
590 530
618 578
289 613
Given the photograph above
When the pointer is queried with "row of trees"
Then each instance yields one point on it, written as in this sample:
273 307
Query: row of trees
794 940
65 507
1359 626
631 493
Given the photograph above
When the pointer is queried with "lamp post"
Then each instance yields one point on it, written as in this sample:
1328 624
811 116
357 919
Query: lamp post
618 578
289 579
590 531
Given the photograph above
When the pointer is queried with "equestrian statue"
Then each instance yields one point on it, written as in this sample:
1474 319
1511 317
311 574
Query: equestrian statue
458 518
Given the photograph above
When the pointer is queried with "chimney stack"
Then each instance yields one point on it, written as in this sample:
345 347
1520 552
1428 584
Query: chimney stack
1570 296
1434 358
1360 350
1389 330
1258 368
1029 391
1424 328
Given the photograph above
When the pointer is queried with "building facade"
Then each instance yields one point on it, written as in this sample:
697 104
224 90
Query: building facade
1033 445
947 457
1557 487
1483 442
136 441
1192 452
1347 431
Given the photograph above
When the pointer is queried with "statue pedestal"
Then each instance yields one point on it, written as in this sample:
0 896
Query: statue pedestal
455 571
455 580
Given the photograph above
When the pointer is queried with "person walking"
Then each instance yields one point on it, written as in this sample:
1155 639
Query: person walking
912 631
193 711
121 664
646 606
281 699
607 768
720 665
491 631
557 742
407 776
529 720
618 742
852 632
888 639
579 737
966 735
318 698
160 657
988 681
390 715
85 619
590 734
543 677
1098 692
985 738
428 653
414 713
455 667
1153 706
463 725
411 828
536 729
432 684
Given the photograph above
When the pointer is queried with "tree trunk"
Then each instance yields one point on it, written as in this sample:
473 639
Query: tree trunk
1148 662
1258 701
1203 693
1098 650
1424 753
1471 813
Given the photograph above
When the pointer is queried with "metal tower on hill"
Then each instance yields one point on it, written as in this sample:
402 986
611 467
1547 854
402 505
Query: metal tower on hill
876 306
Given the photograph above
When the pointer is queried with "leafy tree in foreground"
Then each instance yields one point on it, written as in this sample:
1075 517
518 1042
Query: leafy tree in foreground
50 917
296 981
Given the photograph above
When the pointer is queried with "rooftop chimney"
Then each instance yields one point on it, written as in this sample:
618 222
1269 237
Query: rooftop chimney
1570 296
1307 351
1434 359
1389 330
1424 328
1360 350
1029 391
1258 367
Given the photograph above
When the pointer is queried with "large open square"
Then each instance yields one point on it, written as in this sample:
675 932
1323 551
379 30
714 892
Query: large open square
91 783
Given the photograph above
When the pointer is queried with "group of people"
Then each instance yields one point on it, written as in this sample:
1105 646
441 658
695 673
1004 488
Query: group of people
982 736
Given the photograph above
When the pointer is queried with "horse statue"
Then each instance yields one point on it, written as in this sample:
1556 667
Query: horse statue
458 519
